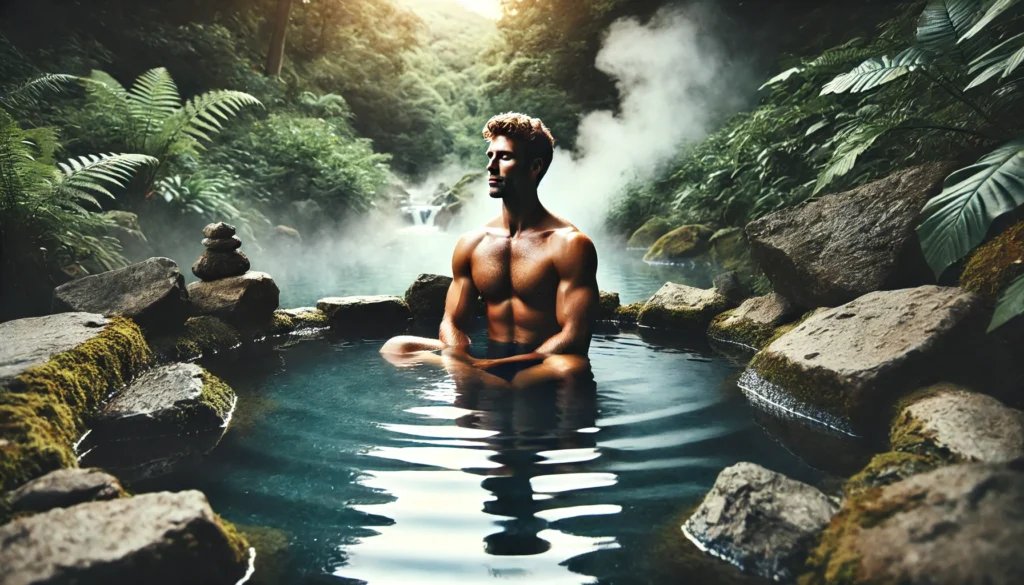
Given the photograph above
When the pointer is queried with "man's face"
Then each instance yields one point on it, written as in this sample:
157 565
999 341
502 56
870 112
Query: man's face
509 169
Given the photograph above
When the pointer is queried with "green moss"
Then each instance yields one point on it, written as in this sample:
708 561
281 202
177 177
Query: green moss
204 335
217 396
729 249
629 313
995 264
657 315
816 387
649 233
742 330
238 543
685 242
608 305
888 468
42 414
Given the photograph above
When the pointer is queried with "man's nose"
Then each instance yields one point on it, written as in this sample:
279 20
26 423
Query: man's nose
492 165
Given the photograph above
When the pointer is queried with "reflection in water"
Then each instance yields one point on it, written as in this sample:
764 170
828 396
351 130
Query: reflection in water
527 447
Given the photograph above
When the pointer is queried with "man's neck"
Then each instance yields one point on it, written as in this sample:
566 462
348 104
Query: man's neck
522 213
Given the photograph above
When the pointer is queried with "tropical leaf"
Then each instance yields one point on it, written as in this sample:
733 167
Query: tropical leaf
944 22
997 8
199 117
996 60
845 156
154 97
957 219
843 55
1009 305
878 71
94 172
781 77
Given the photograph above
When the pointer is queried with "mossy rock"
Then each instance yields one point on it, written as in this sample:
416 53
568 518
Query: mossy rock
994 265
645 235
608 306
285 321
201 336
629 313
43 408
729 248
681 243
681 307
753 324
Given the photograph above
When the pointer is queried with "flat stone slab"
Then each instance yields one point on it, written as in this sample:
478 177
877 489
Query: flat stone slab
379 315
754 322
159 538
151 292
957 525
841 365
30 342
760 520
677 306
248 299
167 400
967 425
64 488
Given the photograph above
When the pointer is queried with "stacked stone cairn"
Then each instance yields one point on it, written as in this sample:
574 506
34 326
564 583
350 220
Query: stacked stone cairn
229 290
222 258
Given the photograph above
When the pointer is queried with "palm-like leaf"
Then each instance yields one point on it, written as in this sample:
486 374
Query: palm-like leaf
998 7
878 71
845 156
1001 59
1009 305
944 22
94 172
957 219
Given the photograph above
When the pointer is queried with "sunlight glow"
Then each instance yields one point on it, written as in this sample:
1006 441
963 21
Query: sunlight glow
487 8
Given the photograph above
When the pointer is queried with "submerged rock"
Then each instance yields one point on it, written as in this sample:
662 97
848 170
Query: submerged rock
151 292
426 298
842 365
63 488
212 265
160 538
203 335
167 400
957 525
246 300
833 250
379 315
645 235
754 322
760 520
677 306
680 244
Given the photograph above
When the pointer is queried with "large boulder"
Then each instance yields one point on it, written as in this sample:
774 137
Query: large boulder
159 538
956 525
152 293
680 244
645 235
754 322
760 520
246 300
376 316
64 488
426 298
833 250
168 400
961 424
841 365
677 306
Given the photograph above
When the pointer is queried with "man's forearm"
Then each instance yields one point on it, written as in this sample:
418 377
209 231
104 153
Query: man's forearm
568 341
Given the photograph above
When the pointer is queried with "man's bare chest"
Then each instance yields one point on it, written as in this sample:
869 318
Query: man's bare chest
506 267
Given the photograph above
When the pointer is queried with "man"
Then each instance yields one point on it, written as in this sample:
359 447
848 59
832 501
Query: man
535 271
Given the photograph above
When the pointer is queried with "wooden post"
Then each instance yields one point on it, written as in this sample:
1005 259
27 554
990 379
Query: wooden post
275 56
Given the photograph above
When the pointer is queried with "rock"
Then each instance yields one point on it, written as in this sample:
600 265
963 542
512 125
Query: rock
679 244
677 306
217 265
158 539
287 233
380 315
729 249
965 425
729 286
629 313
426 298
63 488
246 300
300 319
201 336
956 525
842 365
219 230
994 265
645 235
168 400
833 250
139 459
608 306
33 341
760 520
151 292
754 322
222 244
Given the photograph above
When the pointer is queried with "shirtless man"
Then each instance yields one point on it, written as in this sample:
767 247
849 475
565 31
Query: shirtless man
535 271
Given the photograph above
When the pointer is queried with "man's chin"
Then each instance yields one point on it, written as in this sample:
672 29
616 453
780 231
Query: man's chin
495 192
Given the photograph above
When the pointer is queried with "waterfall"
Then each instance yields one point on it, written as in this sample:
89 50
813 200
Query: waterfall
422 215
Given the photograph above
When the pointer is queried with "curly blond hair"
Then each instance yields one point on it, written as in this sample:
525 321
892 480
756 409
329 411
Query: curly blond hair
539 142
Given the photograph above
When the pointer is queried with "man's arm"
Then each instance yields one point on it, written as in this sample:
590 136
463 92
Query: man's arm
462 295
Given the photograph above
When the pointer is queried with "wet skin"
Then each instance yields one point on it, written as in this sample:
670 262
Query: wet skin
536 273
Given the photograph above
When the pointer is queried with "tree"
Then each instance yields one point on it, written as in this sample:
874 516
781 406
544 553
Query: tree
275 55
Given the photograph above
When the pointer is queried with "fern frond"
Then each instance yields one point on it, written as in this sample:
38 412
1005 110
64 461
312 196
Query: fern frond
94 172
154 97
854 144
199 117
31 90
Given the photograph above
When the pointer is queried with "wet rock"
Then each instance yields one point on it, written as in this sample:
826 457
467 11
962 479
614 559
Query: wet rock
629 313
33 341
245 300
760 520
729 286
159 538
63 488
219 230
754 322
843 365
961 524
222 244
167 400
299 319
379 316
426 298
680 244
201 336
729 249
151 292
965 425
677 306
833 250
645 235
608 305
213 265
138 459
818 446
